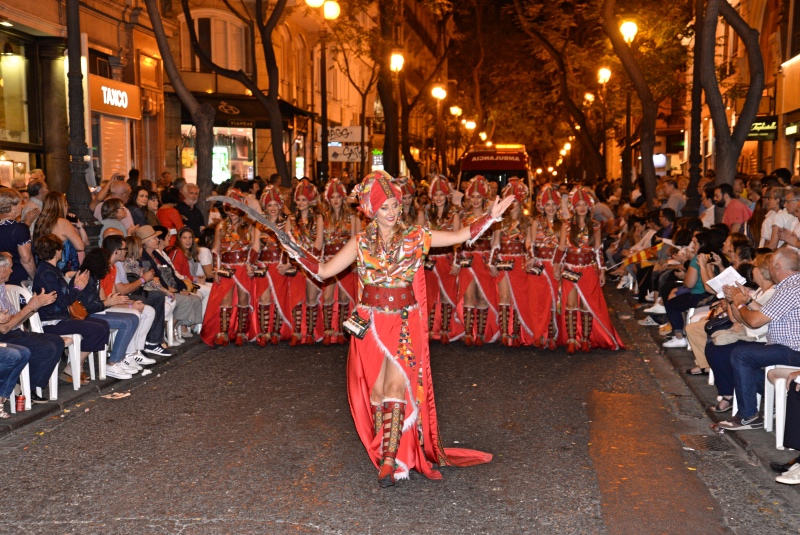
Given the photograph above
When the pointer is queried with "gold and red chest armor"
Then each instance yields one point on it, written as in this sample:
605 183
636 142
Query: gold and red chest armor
271 250
512 238
335 235
304 232
545 241
234 246
447 225
582 254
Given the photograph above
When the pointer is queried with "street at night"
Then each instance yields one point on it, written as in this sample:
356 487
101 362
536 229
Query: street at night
252 440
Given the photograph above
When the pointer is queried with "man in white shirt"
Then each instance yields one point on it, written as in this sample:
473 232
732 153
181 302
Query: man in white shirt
675 199
117 188
791 236
777 218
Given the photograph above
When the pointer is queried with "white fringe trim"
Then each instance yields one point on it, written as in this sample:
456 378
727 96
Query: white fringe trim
401 472
486 226
516 309
596 319
275 300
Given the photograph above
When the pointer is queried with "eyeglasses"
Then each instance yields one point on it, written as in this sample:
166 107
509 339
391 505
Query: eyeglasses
122 249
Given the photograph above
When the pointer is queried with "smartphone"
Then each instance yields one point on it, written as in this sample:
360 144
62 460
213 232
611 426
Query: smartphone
72 218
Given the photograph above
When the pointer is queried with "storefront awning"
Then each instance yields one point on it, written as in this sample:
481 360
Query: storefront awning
235 111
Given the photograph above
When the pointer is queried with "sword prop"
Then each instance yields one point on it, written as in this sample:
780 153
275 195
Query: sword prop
253 214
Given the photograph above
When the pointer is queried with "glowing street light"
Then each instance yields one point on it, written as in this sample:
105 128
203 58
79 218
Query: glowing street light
567 146
396 61
439 92
470 125
603 75
588 97
562 152
331 10
539 171
315 3
483 136
550 169
455 111
628 30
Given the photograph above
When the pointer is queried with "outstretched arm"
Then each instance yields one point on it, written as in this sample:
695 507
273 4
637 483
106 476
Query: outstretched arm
446 239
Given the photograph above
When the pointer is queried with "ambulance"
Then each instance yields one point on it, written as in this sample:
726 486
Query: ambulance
497 163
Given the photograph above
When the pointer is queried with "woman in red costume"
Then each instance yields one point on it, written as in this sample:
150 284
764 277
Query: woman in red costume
542 282
388 370
232 242
339 225
411 213
305 226
440 269
477 289
270 283
508 259
580 258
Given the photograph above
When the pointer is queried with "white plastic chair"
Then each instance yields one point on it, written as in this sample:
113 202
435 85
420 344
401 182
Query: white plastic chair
711 377
25 386
74 351
775 396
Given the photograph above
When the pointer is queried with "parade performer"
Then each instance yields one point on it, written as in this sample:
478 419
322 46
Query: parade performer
508 260
232 242
477 289
412 215
270 283
440 269
388 369
579 264
542 283
305 226
339 225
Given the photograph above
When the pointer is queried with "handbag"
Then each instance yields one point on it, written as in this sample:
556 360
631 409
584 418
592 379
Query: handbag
77 311
717 323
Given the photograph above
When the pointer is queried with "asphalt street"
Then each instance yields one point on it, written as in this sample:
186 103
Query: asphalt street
252 440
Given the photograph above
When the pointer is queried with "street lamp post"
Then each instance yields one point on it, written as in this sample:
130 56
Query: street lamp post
456 112
603 76
77 193
628 29
330 11
396 62
440 93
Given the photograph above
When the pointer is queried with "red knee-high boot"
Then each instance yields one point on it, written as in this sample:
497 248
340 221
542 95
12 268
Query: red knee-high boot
393 416
224 323
297 335
480 336
263 324
572 329
244 323
327 318
505 339
444 333
588 320
469 314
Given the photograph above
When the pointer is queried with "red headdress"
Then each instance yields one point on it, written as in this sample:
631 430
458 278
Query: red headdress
439 183
406 185
335 186
374 190
271 193
516 188
236 194
578 194
307 190
479 185
548 193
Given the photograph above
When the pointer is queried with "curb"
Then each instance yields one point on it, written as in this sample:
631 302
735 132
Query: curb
96 387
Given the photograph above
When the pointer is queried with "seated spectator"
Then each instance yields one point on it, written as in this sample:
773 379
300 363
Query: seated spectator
13 359
45 349
736 212
691 293
707 202
96 302
53 220
56 318
192 216
182 255
781 315
718 354
153 204
113 212
168 215
777 218
32 207
15 238
116 188
792 203
116 246
675 200
188 307
138 206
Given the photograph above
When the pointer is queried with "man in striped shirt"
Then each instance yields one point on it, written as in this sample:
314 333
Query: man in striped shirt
781 314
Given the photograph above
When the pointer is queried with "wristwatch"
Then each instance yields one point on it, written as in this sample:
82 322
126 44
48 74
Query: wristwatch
748 301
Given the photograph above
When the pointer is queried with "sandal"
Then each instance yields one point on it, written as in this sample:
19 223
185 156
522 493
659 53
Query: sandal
3 413
720 408
697 371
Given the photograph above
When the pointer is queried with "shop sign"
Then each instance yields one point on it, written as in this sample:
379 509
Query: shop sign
114 98
237 123
764 128
345 153
791 130
342 134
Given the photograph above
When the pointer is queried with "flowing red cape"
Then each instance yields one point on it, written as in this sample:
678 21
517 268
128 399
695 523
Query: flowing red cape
441 286
487 285
544 289
219 290
420 444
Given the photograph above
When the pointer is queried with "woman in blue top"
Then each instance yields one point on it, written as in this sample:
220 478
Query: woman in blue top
691 293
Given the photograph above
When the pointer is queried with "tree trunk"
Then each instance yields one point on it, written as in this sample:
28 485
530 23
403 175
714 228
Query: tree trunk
692 207
387 15
202 116
649 105
405 140
729 145
363 160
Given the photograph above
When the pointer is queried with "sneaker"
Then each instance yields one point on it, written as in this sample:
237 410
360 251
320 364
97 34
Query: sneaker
655 309
624 281
738 424
675 342
131 366
648 322
141 360
117 371
665 329
791 476
156 350
650 297
38 399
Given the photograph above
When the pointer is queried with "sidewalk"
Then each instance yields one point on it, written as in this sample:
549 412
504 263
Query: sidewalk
67 396
758 444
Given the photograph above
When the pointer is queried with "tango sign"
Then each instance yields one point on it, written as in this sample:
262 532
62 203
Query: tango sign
764 127
114 98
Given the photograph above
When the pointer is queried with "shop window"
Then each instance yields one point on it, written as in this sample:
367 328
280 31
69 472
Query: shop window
14 81
99 64
221 36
